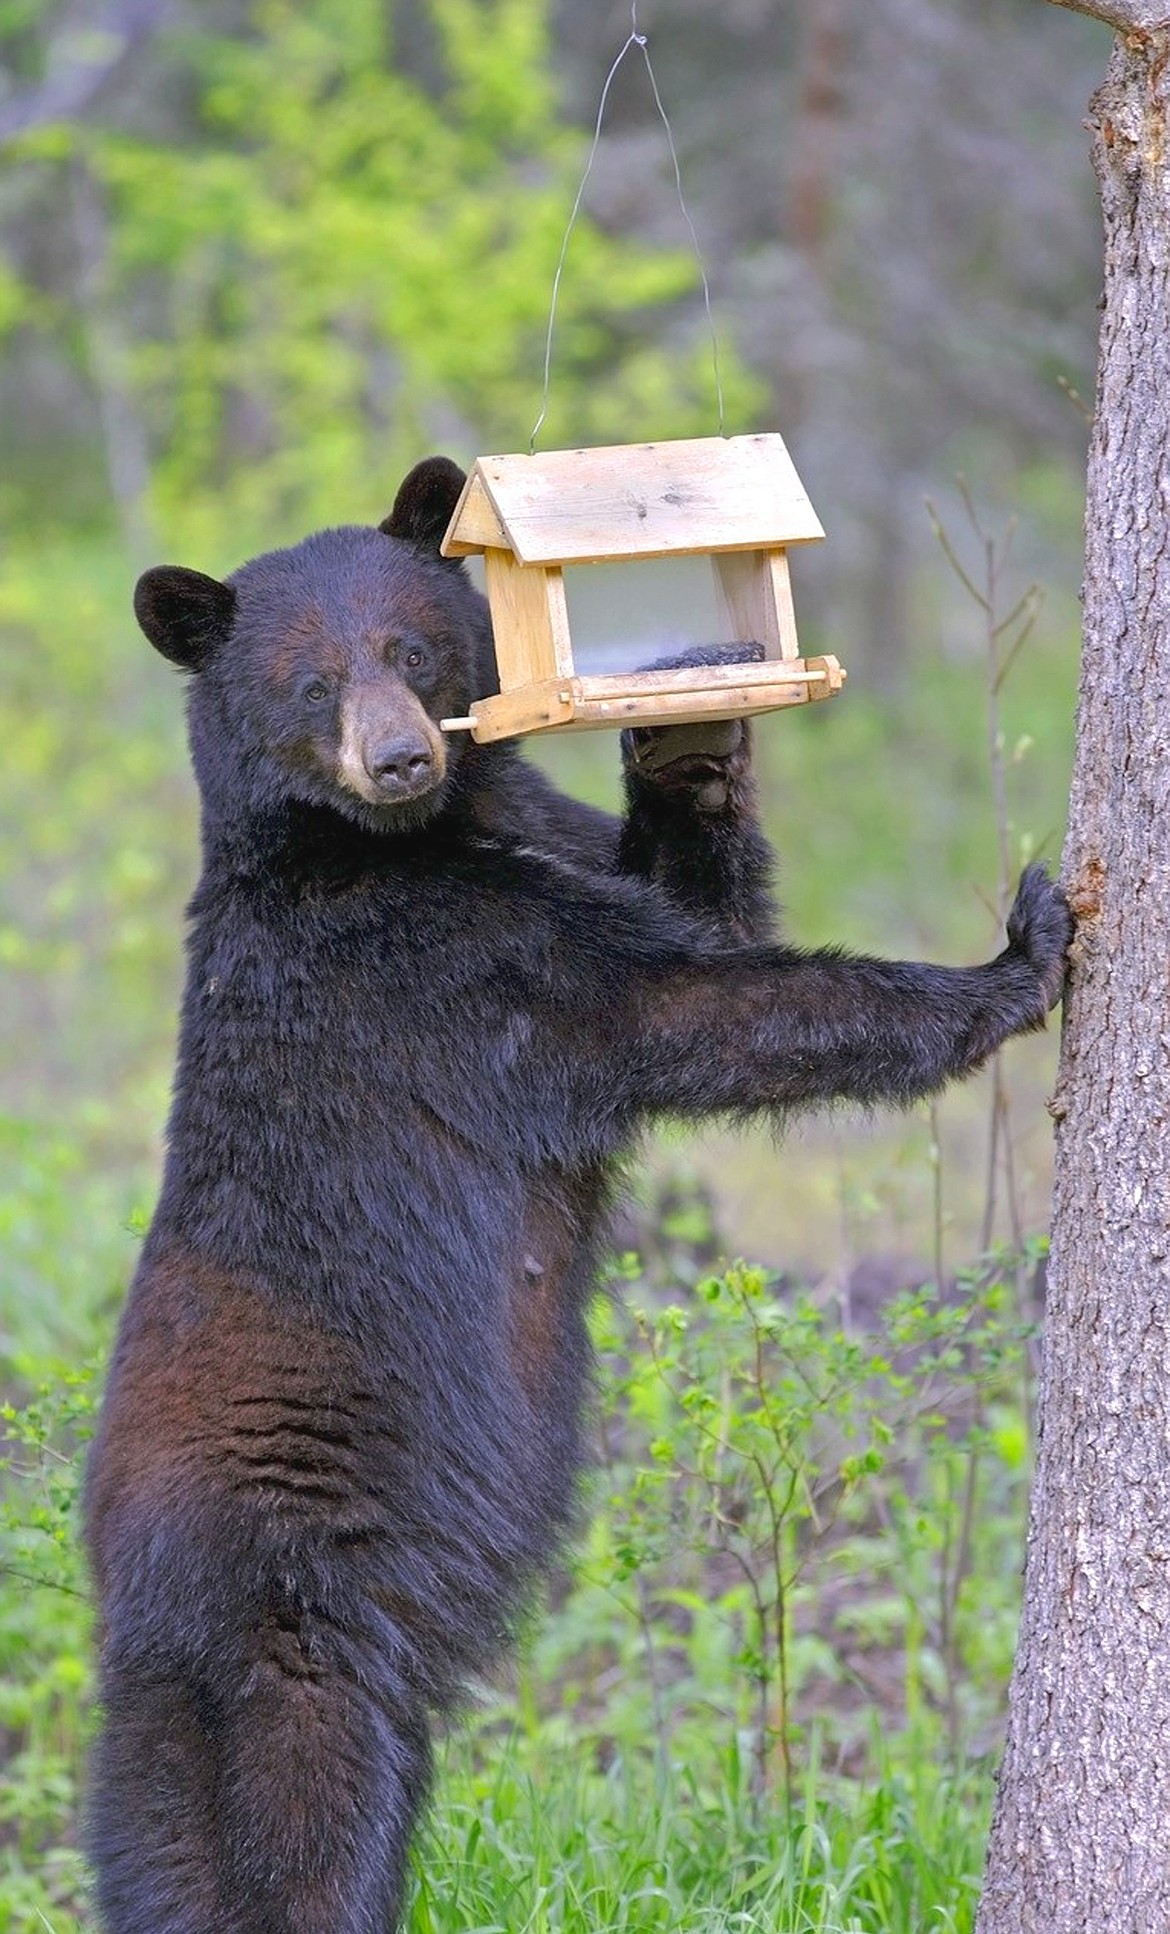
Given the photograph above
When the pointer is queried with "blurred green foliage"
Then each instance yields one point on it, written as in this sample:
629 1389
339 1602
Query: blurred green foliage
320 265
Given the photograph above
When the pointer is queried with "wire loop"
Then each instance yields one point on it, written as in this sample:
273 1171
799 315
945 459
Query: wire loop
639 40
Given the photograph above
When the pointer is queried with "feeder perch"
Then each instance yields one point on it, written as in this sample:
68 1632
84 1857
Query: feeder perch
736 499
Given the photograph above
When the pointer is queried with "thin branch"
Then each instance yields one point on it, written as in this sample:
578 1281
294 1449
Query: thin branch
1127 16
1018 644
39 1583
938 1206
106 352
1023 605
951 555
1075 398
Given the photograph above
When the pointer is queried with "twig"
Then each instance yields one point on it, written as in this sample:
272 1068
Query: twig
1126 16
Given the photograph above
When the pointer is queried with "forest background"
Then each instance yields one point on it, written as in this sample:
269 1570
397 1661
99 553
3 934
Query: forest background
255 258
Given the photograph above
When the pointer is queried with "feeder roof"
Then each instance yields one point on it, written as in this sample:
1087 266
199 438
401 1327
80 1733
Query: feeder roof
634 500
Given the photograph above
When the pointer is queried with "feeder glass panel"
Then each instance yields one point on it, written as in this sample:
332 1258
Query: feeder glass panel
624 616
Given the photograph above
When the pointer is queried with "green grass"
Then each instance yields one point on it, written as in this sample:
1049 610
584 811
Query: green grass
536 1844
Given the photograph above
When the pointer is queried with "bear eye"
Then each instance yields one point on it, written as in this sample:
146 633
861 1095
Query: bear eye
414 659
314 691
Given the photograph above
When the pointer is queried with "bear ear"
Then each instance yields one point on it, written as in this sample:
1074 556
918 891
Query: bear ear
425 502
184 614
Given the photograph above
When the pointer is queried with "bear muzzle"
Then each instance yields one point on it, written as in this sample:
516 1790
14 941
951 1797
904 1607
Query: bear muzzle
389 754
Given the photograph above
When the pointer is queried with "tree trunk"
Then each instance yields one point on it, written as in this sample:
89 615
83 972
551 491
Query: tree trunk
816 135
1080 1843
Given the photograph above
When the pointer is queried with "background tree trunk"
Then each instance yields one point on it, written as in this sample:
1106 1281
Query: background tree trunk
1081 1836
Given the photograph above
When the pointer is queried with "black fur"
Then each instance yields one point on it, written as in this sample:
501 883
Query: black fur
343 1423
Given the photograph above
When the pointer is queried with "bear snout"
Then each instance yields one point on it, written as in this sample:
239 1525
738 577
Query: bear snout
401 766
389 752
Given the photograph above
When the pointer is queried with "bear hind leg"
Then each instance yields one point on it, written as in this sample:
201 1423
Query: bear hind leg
321 1786
287 1809
151 1812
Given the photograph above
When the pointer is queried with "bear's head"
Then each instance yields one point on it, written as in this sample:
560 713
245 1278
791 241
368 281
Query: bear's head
320 673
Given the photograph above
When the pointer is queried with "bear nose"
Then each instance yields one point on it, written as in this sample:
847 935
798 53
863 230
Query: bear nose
400 765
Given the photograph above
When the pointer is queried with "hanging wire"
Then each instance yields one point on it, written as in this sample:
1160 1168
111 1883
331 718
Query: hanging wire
638 40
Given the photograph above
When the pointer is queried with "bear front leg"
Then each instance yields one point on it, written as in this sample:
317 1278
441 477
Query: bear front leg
691 821
772 1029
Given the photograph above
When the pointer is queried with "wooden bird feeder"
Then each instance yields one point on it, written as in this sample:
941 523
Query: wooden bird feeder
736 499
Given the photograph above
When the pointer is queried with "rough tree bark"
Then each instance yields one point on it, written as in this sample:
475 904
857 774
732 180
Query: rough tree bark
1081 1838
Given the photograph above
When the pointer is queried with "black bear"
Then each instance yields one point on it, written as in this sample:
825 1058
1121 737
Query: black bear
430 1002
